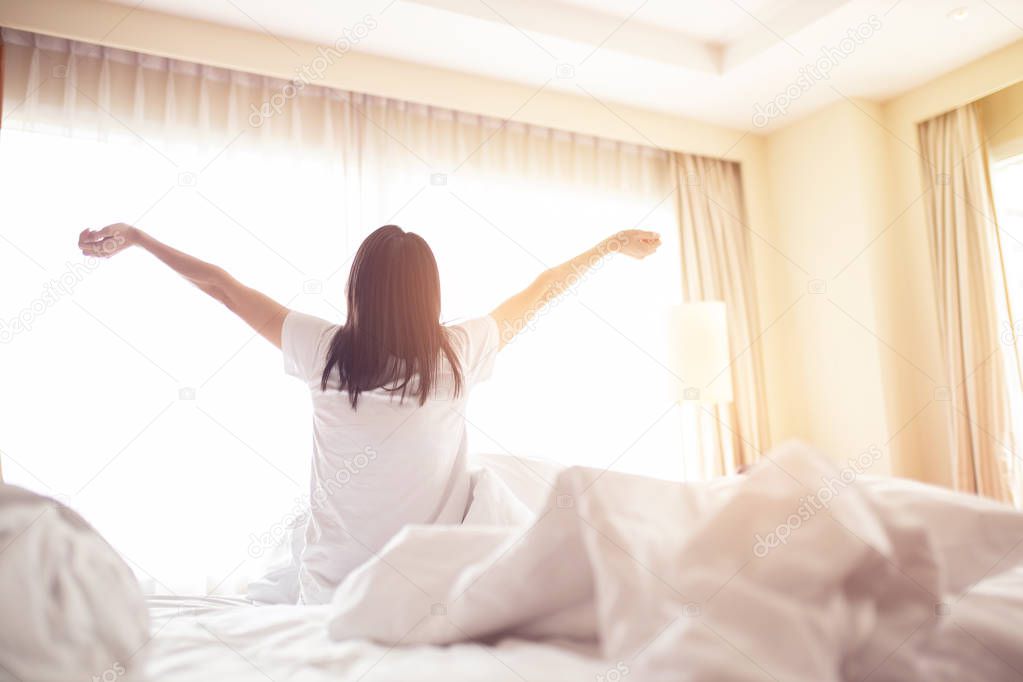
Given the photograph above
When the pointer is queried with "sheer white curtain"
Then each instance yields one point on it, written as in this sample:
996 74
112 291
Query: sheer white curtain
161 418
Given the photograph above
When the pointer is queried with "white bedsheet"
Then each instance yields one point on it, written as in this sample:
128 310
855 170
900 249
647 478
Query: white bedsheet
756 577
201 639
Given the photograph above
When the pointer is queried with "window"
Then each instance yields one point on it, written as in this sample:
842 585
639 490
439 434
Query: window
168 425
1006 180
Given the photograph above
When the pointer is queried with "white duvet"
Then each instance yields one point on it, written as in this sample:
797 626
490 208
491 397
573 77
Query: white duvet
70 608
797 571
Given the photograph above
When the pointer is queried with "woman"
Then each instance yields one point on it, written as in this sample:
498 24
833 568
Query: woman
389 386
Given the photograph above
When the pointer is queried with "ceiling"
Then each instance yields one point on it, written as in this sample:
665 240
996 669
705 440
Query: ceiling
749 64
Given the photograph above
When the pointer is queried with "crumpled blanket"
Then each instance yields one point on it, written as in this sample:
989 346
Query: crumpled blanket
800 570
70 608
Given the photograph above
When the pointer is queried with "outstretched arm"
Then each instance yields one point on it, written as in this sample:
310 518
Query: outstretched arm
259 311
515 314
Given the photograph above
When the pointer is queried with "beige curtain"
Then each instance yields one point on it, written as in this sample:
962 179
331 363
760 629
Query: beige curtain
717 265
1 127
970 289
85 90
1 78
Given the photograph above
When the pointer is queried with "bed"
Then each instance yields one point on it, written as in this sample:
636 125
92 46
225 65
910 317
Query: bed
581 574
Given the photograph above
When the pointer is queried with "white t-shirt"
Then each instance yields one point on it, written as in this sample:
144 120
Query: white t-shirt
385 464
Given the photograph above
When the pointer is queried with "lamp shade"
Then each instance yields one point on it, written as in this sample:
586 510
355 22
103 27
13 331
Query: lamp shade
699 352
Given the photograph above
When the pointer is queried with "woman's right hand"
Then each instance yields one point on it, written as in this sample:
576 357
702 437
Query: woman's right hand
107 241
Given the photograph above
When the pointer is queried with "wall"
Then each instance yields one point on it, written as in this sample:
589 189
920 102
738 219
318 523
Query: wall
822 356
1002 115
844 180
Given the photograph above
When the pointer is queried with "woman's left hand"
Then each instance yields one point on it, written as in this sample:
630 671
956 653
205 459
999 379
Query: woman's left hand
636 243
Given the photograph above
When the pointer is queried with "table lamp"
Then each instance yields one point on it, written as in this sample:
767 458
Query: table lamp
701 361
700 353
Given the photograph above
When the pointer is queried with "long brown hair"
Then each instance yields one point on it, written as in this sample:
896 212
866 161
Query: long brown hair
393 337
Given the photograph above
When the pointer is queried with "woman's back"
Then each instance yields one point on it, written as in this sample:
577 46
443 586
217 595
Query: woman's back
386 463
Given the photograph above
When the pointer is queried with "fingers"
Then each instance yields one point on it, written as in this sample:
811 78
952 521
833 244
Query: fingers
638 243
92 236
94 249
100 248
102 243
645 236
650 242
87 235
